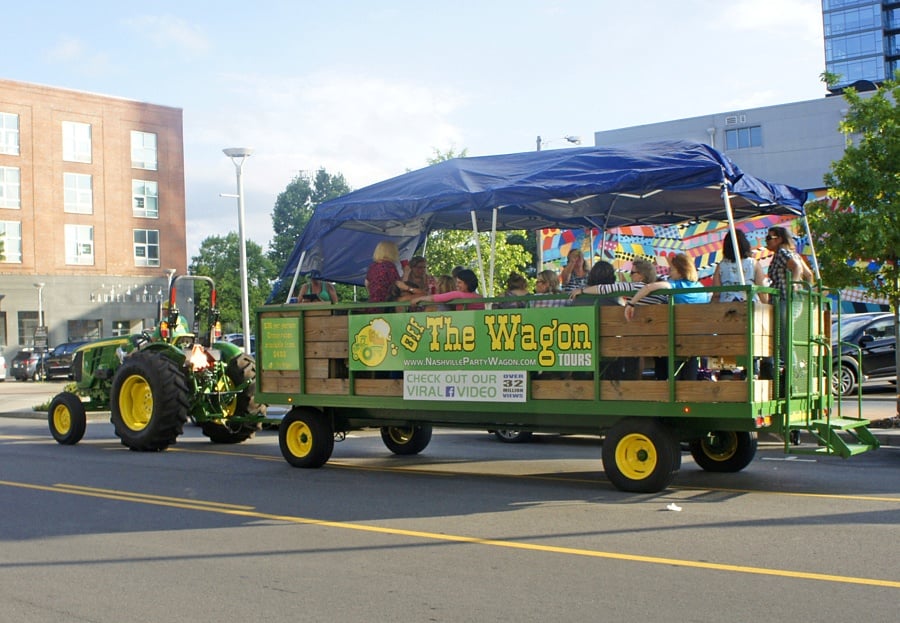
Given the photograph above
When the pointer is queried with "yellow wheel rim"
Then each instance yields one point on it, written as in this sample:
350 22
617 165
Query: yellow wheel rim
636 456
721 446
62 420
229 404
400 435
136 402
299 439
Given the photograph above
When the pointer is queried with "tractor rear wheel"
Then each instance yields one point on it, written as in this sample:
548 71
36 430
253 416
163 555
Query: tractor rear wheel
149 401
67 418
242 369
221 431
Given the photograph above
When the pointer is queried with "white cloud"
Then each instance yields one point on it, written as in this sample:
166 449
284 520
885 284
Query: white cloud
367 129
167 31
790 18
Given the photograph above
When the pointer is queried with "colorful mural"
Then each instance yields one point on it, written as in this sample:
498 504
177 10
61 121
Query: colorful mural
700 241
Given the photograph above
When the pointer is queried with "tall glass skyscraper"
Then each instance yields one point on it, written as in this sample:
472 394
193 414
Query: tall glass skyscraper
862 39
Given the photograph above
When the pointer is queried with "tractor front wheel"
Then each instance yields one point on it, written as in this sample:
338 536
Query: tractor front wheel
67 418
149 401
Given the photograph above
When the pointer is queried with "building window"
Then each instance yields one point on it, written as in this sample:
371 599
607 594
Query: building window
741 138
28 323
10 188
126 327
143 150
11 239
861 69
80 244
9 133
146 247
853 20
145 198
78 192
76 141
86 330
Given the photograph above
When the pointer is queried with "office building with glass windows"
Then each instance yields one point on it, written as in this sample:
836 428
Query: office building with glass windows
862 40
92 213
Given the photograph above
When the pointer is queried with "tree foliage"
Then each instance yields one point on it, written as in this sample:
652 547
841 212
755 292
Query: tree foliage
865 181
219 258
294 207
448 249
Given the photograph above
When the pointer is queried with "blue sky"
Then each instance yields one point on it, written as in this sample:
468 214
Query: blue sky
370 89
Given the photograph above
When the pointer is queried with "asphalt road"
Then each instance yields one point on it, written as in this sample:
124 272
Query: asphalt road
470 530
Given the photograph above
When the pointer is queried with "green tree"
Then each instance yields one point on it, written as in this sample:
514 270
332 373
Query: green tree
219 258
865 181
294 207
447 249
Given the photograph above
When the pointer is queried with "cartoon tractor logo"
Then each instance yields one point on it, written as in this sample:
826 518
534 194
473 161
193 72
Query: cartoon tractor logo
371 344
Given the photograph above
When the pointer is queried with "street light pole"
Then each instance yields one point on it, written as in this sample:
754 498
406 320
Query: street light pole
238 155
40 289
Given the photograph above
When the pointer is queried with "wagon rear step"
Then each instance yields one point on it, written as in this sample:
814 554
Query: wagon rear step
844 437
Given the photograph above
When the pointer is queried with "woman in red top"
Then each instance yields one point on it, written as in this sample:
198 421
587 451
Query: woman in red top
466 288
383 275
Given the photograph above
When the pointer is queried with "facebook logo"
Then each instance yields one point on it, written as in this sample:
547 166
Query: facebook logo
450 391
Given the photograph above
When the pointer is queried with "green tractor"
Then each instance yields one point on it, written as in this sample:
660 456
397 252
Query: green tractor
153 382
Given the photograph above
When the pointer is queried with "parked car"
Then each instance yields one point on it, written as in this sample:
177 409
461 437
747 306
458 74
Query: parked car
238 340
59 361
27 364
2 368
874 334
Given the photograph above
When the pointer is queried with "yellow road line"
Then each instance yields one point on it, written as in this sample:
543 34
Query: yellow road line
247 511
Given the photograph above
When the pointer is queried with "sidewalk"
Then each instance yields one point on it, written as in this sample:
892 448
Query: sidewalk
19 398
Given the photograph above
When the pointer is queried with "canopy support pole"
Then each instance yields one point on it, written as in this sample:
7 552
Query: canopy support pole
733 231
493 249
294 280
812 247
478 247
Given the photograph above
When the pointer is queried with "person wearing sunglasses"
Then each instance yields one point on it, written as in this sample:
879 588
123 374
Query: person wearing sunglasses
546 285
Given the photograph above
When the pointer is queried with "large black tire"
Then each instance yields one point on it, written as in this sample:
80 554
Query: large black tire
241 369
220 431
724 451
406 439
67 418
306 438
640 455
149 401
512 436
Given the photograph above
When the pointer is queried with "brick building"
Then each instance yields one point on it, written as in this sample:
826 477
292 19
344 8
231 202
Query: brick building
92 213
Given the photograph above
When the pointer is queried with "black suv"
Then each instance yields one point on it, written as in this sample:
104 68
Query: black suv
874 334
59 361
27 365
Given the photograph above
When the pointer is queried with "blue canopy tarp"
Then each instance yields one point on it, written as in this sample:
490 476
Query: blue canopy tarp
656 183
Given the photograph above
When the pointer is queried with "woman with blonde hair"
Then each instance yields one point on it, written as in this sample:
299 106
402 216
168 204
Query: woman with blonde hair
382 276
